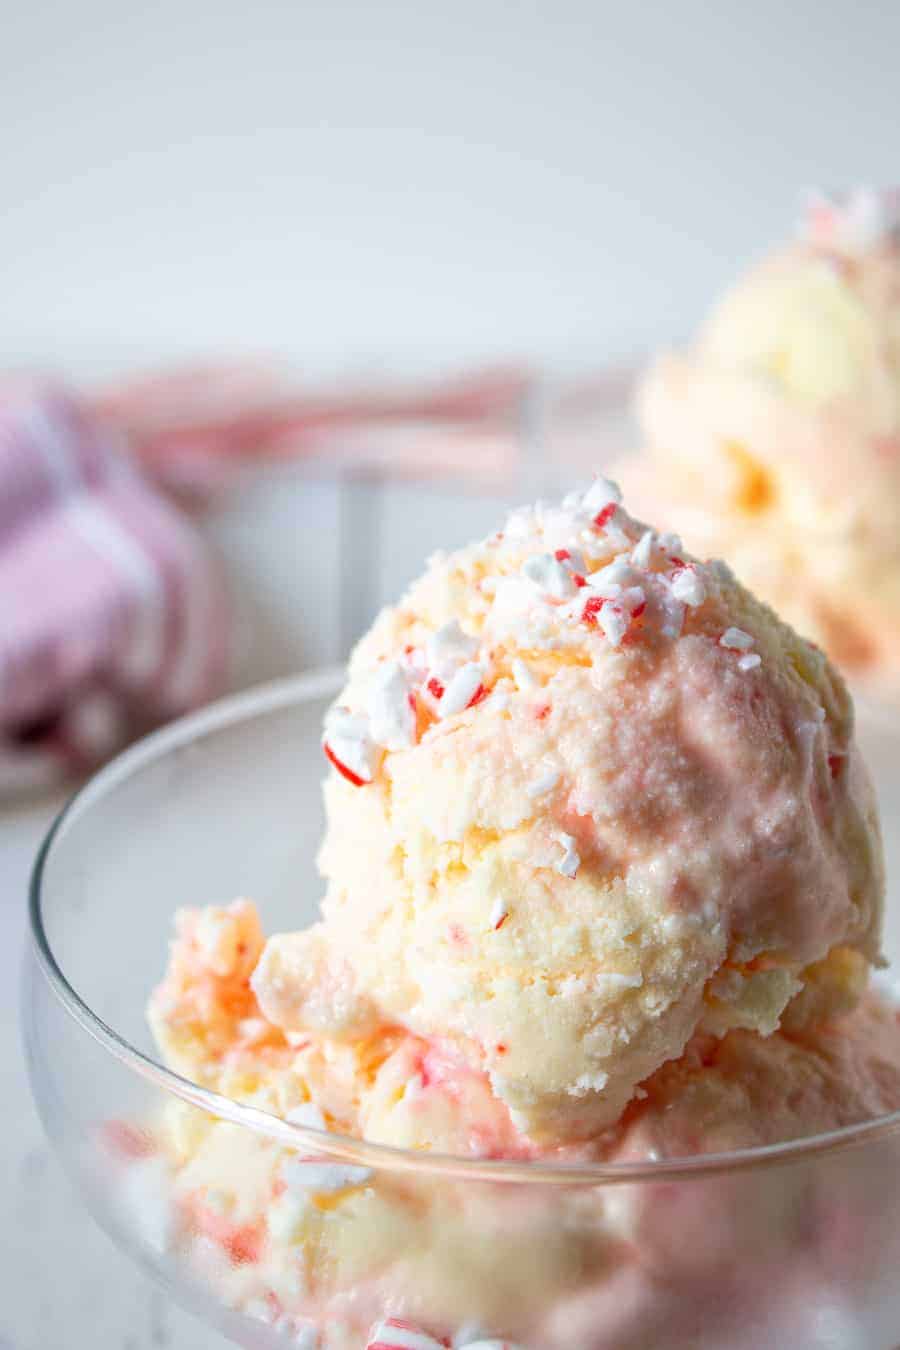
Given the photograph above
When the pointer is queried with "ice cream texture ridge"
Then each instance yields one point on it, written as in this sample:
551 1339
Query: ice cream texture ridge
603 884
774 438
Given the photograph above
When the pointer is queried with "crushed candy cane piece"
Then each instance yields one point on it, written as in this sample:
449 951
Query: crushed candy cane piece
499 914
736 640
673 616
570 862
603 518
614 623
398 1334
642 553
323 1178
750 662
670 543
546 783
464 689
392 717
573 559
349 746
549 575
688 587
600 494
344 769
449 647
610 580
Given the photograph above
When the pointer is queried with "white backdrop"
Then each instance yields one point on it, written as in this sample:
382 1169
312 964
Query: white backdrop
412 182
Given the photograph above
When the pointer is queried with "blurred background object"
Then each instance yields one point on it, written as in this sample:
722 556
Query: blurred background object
376 195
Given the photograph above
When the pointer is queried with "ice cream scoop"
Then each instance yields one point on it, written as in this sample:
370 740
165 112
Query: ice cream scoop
325 1250
588 798
774 439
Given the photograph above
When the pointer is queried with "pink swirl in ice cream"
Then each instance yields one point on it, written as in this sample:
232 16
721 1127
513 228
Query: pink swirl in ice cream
774 440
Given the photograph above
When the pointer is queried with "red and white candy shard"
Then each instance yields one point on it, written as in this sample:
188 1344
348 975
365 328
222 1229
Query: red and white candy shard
349 745
462 690
688 587
735 639
392 717
600 494
448 649
397 1334
642 553
550 576
570 862
609 582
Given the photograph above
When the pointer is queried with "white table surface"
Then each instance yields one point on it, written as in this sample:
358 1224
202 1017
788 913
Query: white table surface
64 1286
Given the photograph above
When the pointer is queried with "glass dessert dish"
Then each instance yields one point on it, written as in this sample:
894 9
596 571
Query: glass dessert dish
796 1244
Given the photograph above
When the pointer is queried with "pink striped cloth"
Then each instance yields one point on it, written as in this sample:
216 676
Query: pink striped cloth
112 614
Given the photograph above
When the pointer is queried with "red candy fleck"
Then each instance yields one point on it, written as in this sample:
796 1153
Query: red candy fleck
835 764
543 712
500 922
435 688
605 516
501 1048
342 769
411 700
458 935
562 555
678 563
579 580
480 694
591 609
639 609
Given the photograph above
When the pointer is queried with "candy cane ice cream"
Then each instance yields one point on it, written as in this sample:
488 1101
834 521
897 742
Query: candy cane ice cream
589 796
774 439
602 872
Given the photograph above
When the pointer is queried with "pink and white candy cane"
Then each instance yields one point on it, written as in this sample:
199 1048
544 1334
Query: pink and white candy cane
398 1334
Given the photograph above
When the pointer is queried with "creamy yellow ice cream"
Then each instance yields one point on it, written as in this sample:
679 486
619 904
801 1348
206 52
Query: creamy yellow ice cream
774 439
589 797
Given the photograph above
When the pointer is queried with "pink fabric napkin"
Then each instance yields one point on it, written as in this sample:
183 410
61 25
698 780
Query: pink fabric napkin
112 614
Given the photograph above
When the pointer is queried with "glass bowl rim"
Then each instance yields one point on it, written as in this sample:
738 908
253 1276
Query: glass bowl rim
243 707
